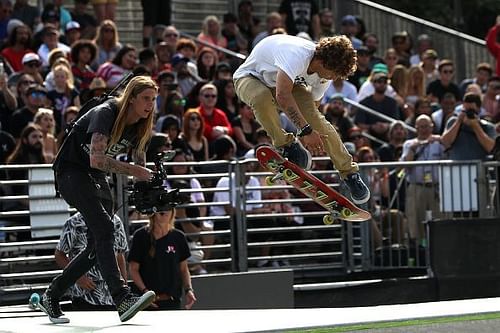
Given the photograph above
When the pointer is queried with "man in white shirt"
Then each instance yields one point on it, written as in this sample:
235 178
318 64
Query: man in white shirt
292 74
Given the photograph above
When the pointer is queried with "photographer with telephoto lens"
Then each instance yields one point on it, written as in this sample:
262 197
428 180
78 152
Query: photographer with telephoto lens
467 137
115 126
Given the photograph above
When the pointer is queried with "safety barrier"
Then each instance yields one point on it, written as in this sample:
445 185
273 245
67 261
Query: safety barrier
296 238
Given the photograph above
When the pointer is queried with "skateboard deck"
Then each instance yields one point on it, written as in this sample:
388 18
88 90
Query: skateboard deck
338 205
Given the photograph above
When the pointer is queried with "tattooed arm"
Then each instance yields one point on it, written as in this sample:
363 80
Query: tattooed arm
99 160
285 99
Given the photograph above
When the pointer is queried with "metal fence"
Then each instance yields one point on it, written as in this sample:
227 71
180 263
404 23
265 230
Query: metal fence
250 240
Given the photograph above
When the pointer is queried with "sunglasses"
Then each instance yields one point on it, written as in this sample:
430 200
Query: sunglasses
108 30
447 72
37 94
209 96
180 102
27 82
380 81
33 64
355 137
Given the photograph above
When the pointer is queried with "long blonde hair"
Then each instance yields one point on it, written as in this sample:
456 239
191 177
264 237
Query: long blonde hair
99 35
137 85
70 81
152 227
416 85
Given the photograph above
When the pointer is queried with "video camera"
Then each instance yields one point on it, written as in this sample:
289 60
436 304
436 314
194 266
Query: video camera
153 196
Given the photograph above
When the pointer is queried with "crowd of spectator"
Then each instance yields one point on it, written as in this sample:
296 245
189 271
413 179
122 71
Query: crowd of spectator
56 60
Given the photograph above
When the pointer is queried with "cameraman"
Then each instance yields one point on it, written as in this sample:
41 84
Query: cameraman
467 137
88 154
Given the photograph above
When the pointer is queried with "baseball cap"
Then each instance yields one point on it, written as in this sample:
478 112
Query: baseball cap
430 53
177 58
71 25
363 50
50 13
13 23
30 57
348 20
380 68
336 96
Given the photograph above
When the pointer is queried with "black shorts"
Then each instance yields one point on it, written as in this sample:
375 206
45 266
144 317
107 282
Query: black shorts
156 12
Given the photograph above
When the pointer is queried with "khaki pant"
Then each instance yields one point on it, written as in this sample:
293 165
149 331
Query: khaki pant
419 199
263 103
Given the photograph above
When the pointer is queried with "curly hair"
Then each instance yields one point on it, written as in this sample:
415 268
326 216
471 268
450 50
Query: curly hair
337 54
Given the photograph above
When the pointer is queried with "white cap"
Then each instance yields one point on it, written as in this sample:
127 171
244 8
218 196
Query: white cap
13 23
72 25
29 57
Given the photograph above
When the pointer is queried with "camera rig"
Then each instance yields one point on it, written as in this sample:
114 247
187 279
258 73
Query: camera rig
153 196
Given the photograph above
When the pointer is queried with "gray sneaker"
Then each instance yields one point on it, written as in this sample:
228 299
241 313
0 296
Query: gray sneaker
359 191
132 304
296 153
51 307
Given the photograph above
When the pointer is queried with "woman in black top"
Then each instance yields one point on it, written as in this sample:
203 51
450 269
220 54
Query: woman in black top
158 261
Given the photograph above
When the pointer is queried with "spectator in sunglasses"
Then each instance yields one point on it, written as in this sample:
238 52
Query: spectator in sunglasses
35 98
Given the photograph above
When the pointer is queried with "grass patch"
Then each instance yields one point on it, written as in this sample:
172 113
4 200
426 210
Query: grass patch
402 323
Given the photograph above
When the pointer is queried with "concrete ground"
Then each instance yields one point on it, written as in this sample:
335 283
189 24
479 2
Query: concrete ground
22 319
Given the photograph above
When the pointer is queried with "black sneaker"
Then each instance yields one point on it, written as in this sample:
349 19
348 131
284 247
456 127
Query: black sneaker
132 304
296 153
51 307
359 191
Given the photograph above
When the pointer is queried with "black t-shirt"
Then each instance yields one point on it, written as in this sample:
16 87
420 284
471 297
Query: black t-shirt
75 152
20 118
299 15
160 273
7 145
388 106
437 89
60 102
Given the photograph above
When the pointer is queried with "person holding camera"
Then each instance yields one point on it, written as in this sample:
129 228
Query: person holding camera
116 126
467 137
422 193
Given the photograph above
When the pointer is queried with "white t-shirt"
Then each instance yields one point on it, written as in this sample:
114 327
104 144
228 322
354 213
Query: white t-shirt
223 196
292 55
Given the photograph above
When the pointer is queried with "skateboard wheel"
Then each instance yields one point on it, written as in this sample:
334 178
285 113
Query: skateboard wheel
346 212
34 300
288 174
327 219
269 181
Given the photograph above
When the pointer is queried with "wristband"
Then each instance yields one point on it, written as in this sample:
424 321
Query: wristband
306 130
188 290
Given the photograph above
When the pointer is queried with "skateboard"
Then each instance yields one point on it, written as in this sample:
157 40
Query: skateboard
339 206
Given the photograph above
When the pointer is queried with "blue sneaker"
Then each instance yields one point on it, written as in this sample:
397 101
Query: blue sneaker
296 153
359 191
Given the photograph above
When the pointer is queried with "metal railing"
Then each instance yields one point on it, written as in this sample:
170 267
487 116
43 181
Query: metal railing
464 50
247 240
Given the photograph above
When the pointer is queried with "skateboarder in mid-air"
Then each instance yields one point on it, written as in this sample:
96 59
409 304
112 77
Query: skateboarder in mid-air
293 73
